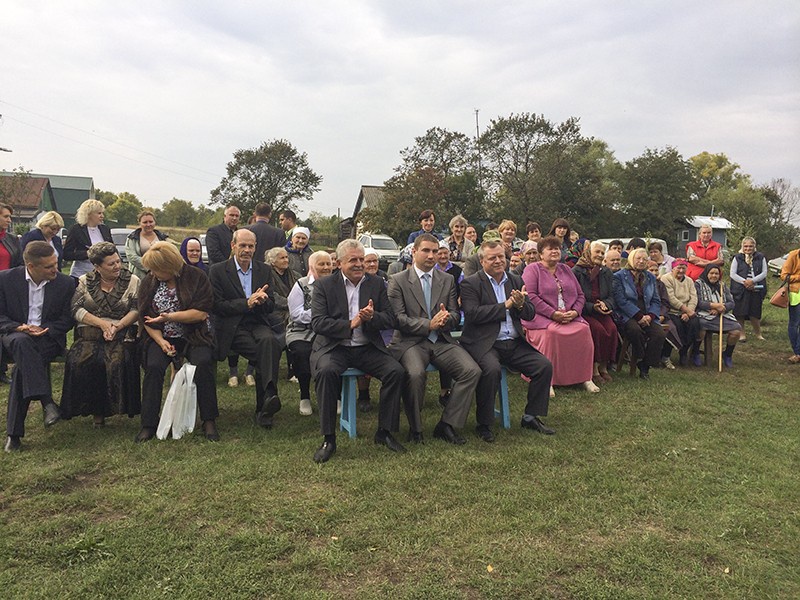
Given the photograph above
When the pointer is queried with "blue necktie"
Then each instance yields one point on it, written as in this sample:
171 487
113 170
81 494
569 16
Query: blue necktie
426 291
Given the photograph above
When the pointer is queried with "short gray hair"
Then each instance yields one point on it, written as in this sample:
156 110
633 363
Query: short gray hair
457 220
271 255
345 245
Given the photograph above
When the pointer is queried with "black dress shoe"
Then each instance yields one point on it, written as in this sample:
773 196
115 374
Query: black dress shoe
537 425
485 433
51 414
12 444
444 398
324 452
145 434
445 431
416 437
386 439
210 431
644 370
271 406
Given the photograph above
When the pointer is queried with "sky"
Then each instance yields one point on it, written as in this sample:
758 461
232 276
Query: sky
154 98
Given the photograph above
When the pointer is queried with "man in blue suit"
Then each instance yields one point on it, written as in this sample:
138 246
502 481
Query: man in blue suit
35 316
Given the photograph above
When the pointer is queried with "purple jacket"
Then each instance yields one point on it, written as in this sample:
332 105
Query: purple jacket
543 292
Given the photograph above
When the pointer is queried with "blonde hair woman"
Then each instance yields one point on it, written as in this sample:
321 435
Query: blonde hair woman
88 230
46 230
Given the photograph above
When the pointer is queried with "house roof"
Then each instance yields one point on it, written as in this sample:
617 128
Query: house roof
715 222
68 182
29 195
368 197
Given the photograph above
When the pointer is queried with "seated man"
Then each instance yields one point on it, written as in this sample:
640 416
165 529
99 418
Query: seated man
348 311
493 302
613 260
245 324
424 303
35 316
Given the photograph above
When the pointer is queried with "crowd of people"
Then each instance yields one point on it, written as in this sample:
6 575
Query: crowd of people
552 308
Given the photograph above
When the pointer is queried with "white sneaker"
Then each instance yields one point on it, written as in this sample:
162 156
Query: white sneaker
589 386
305 407
552 392
293 379
668 364
250 380
233 381
338 407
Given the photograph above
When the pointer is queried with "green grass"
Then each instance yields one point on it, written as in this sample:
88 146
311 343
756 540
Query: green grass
683 487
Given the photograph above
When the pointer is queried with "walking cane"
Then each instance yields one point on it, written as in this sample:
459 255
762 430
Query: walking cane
721 301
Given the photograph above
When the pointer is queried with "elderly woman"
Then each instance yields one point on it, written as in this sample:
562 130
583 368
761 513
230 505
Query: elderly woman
283 280
298 251
46 230
672 338
682 296
529 253
427 220
443 263
372 264
560 229
508 235
558 330
89 229
192 253
637 311
101 376
460 247
298 334
749 286
791 272
174 303
140 241
713 300
597 283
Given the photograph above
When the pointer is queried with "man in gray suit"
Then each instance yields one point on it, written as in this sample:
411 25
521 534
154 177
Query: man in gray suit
424 302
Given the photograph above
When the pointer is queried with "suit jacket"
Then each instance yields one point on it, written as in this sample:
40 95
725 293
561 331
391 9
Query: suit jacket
408 305
36 235
218 243
483 313
78 242
267 237
330 314
56 310
230 303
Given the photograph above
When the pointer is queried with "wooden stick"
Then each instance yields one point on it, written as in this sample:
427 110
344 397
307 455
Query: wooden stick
721 301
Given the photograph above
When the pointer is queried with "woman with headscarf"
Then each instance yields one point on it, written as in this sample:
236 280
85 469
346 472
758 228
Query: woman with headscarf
682 295
192 253
298 251
715 299
46 230
560 229
558 330
529 252
749 286
298 333
576 250
597 283
637 311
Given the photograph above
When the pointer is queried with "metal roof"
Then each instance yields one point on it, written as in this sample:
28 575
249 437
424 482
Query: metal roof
68 182
714 222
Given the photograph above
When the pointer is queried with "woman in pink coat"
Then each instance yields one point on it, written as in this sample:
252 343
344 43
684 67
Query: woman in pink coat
558 331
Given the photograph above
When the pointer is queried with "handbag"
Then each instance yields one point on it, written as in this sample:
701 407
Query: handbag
180 408
781 296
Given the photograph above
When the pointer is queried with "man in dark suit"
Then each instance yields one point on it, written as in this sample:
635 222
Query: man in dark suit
244 321
267 236
494 301
424 302
348 311
219 237
35 316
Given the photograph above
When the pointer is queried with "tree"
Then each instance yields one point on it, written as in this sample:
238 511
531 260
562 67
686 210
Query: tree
125 209
449 152
14 184
177 213
656 193
716 171
275 173
107 198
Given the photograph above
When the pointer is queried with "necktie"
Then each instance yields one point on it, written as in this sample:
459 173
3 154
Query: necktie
426 291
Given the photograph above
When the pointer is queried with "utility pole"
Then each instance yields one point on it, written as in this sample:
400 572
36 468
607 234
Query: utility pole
478 147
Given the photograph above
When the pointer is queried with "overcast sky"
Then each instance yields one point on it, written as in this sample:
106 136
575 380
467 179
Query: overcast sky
154 97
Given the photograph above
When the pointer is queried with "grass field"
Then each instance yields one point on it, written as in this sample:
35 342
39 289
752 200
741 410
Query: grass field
683 487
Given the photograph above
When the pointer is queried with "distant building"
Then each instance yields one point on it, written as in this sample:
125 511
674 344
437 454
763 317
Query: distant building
69 192
29 196
369 196
720 226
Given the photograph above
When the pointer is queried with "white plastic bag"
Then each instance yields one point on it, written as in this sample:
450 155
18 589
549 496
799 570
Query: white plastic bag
180 407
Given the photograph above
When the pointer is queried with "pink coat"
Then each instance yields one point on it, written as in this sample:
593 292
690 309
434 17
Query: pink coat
543 292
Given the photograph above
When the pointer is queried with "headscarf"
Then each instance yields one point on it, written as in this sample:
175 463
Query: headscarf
704 276
576 250
585 258
200 265
748 258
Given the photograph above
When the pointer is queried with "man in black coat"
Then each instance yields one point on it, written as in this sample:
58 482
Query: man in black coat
348 311
494 302
35 316
219 237
244 321
267 236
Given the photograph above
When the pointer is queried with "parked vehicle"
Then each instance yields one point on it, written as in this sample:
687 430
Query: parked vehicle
120 236
775 265
204 253
387 249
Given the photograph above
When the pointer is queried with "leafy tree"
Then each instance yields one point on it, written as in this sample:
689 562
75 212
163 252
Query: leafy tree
319 223
449 152
275 173
107 198
656 193
125 209
13 184
177 213
716 171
